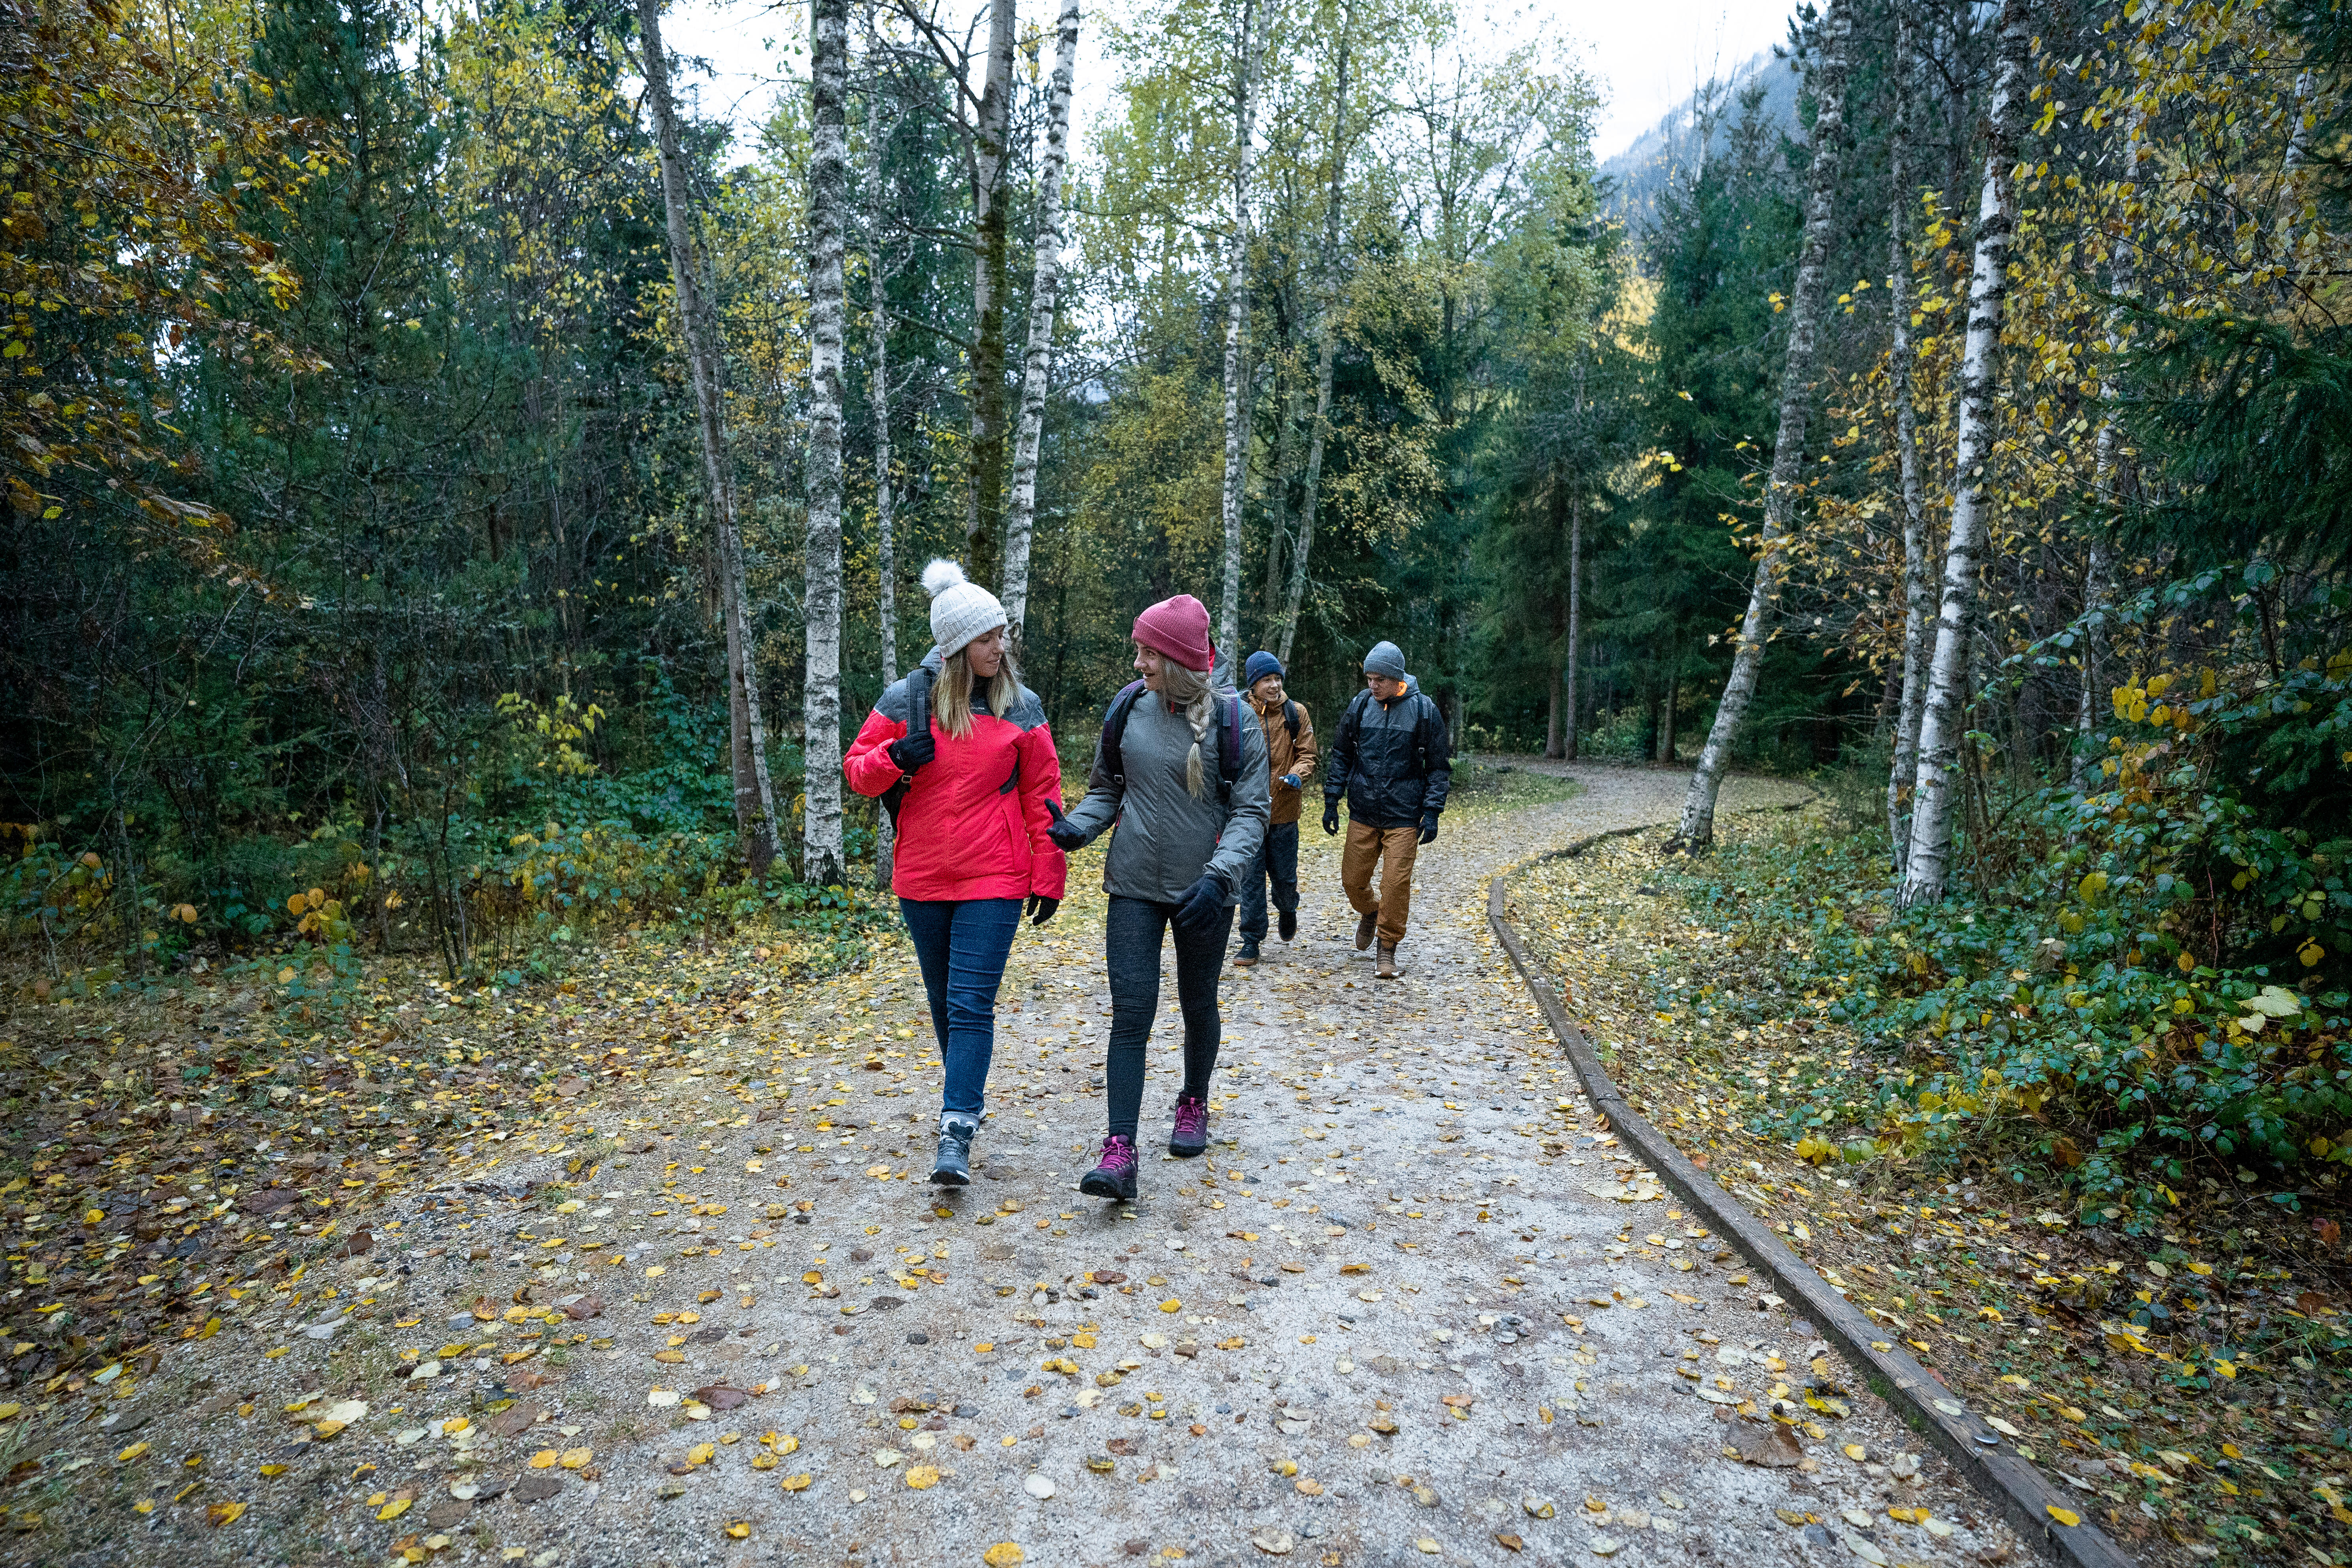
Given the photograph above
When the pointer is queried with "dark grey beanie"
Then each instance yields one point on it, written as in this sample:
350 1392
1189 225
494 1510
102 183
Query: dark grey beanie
1386 659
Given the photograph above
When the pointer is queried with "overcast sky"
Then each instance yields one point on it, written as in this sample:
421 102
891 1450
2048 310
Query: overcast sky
1647 54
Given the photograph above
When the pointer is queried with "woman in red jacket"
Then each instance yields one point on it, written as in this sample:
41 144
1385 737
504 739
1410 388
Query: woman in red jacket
970 743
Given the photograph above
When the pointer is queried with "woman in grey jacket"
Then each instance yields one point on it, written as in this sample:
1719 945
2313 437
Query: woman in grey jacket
1184 779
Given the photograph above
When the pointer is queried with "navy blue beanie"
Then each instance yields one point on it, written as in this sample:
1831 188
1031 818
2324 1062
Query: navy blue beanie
1261 665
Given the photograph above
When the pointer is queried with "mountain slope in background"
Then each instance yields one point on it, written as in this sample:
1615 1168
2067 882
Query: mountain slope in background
1637 174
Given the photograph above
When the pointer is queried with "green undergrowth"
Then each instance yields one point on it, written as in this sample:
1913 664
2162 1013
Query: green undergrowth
2042 1020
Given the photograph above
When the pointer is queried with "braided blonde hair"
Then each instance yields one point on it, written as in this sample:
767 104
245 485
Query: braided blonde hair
1188 689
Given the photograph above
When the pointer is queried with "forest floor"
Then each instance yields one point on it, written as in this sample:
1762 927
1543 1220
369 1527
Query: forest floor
489 1291
1975 1258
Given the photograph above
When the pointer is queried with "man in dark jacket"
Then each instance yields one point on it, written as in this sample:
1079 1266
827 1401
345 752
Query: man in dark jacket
1393 761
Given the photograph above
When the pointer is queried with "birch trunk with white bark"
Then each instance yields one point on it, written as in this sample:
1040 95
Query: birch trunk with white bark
828 198
755 795
1696 832
1229 613
2098 571
877 277
1927 866
1328 331
991 162
1045 293
1917 598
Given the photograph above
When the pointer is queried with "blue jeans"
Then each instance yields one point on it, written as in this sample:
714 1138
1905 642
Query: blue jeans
1276 862
962 946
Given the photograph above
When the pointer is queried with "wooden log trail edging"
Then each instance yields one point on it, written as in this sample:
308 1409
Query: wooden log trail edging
2024 1494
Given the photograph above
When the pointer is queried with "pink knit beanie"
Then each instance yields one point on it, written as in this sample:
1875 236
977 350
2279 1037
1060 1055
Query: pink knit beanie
1178 628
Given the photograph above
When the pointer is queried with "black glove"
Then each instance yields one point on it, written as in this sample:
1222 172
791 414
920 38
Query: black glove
1068 837
1200 902
1330 817
1290 779
1041 908
1429 828
911 752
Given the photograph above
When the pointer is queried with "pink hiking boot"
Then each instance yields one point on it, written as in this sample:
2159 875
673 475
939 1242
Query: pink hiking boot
1191 1137
1114 1176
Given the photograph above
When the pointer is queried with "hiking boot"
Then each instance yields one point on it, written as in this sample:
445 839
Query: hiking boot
1365 926
1247 956
1191 1136
1286 923
1114 1176
953 1166
1386 970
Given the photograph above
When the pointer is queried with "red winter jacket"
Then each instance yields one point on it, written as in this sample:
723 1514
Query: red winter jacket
967 828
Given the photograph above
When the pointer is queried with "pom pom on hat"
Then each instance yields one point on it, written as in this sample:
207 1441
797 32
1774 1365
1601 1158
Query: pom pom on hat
961 609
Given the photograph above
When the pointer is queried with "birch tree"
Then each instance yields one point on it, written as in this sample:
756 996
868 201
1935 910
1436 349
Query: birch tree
755 795
1698 828
1917 597
991 162
877 277
828 197
1044 294
1926 865
1327 345
2098 571
1229 612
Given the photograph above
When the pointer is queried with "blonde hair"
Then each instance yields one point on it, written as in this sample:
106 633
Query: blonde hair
951 693
1188 689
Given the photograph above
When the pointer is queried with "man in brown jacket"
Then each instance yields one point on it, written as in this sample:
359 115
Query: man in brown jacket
1290 757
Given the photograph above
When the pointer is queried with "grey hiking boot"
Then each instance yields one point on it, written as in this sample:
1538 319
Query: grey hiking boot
953 1166
1386 970
1365 926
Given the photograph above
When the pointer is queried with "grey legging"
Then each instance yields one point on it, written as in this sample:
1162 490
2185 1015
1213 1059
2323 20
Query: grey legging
1132 936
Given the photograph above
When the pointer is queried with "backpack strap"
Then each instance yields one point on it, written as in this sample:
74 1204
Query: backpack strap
918 722
1229 752
1114 731
1290 719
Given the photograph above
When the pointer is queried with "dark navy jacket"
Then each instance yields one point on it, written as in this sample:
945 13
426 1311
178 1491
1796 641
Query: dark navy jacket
1393 760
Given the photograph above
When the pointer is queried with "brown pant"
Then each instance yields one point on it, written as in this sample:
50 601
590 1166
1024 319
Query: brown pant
1392 849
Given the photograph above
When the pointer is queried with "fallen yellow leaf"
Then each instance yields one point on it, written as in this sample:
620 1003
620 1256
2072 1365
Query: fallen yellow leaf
2066 1517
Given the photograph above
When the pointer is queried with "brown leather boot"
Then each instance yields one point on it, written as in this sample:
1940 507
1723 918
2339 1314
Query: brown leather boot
1386 970
1365 926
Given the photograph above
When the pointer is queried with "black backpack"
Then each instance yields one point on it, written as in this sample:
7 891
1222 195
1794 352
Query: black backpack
1229 740
918 722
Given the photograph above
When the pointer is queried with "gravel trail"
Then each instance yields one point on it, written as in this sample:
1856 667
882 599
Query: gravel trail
1414 1307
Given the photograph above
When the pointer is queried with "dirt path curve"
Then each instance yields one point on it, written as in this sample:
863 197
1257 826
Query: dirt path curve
1378 1324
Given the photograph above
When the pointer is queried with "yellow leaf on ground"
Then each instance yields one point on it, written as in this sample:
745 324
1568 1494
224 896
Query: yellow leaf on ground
2066 1517
1004 1554
222 1513
922 1478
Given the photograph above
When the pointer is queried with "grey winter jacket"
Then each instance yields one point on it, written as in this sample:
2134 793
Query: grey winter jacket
1165 838
1394 761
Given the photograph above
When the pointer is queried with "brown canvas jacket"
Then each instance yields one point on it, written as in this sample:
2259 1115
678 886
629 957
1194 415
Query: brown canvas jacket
1284 757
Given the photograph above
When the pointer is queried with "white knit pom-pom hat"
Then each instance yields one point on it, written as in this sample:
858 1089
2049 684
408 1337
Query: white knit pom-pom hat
961 609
